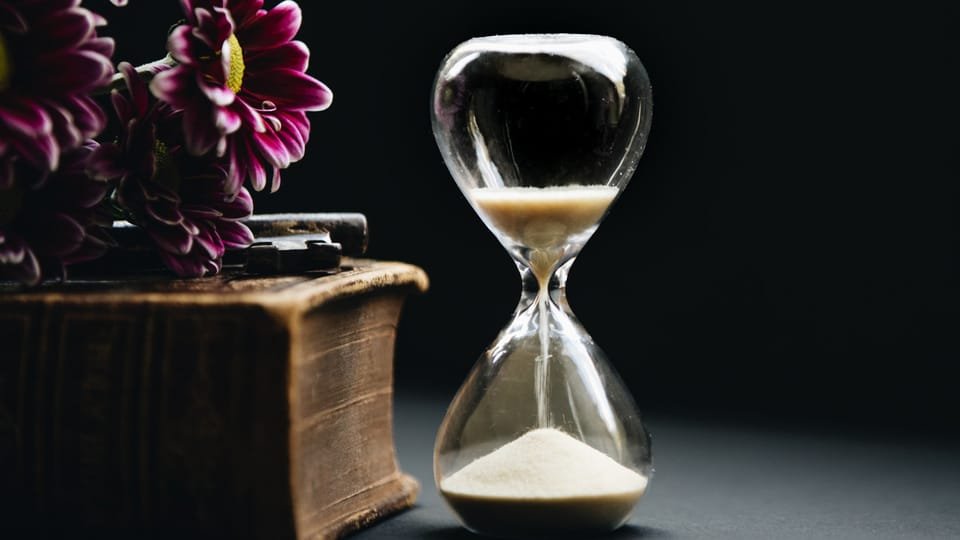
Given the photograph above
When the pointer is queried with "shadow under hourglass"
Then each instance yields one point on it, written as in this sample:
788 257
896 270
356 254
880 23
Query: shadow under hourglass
627 532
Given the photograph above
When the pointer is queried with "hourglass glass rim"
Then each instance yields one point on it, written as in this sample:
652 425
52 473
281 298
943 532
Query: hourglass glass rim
539 42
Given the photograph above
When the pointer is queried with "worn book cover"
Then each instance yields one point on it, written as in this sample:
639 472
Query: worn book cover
232 406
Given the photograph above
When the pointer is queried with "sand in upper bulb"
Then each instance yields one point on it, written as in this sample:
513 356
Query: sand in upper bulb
543 218
544 482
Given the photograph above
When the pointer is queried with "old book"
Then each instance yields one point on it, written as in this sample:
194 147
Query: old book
224 407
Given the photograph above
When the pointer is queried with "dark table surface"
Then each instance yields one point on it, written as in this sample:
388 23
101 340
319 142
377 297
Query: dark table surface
721 480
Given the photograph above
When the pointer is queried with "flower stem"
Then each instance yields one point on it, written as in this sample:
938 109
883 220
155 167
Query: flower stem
146 71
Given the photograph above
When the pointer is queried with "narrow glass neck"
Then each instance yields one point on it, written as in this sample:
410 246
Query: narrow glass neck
553 288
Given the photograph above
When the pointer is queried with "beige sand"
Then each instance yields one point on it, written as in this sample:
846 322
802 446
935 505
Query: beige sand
543 218
544 482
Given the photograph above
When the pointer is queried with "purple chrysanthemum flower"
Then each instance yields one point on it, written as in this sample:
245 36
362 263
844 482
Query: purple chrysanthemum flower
180 200
50 60
45 226
242 85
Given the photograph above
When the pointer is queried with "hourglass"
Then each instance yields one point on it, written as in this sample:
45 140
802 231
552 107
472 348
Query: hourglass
541 133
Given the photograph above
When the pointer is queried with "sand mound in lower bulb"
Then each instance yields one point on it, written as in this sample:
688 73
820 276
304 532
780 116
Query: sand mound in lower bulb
543 483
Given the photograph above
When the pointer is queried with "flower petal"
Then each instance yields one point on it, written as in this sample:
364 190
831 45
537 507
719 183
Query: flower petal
241 206
173 86
54 234
135 86
200 133
25 117
12 20
173 240
42 152
235 235
82 72
227 120
212 27
88 117
180 45
66 29
278 25
288 89
275 182
292 55
164 211
244 10
188 266
209 241
217 93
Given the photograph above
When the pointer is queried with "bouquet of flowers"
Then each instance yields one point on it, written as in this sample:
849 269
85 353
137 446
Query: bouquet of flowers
223 111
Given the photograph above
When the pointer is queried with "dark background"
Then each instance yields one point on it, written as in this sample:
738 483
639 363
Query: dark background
787 249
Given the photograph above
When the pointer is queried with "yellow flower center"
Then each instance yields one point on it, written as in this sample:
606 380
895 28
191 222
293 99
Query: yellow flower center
235 77
6 66
167 174
10 201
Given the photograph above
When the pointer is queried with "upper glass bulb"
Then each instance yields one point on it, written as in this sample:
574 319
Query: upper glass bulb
541 111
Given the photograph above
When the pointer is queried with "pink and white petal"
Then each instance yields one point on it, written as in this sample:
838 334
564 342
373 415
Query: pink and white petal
174 86
164 211
275 182
182 46
12 249
174 239
244 11
272 149
88 116
42 152
65 129
106 162
91 248
185 266
101 45
82 71
200 211
66 29
209 241
235 171
217 93
235 235
289 90
227 120
190 227
292 55
53 234
187 7
256 171
292 138
6 174
12 20
212 267
26 271
121 106
200 133
250 115
25 117
278 25
212 27
240 207
135 87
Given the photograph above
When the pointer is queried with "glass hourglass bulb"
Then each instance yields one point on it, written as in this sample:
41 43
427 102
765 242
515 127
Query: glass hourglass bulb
541 132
